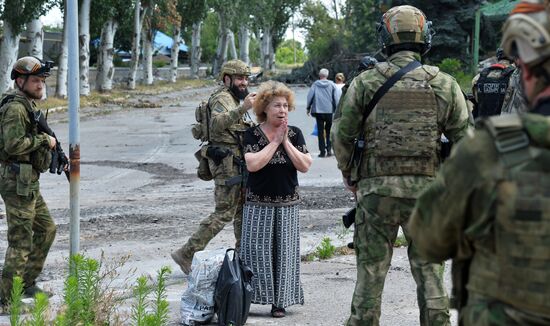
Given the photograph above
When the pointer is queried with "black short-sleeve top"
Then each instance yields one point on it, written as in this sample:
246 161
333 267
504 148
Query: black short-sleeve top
276 183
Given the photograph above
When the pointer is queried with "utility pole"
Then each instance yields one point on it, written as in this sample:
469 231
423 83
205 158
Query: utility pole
476 39
74 124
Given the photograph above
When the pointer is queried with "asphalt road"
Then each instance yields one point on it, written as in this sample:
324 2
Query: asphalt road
140 199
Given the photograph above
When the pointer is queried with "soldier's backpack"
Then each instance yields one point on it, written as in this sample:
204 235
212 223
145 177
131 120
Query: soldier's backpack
201 129
492 90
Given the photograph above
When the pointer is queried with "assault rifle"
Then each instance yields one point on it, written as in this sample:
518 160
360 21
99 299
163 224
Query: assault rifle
217 155
59 159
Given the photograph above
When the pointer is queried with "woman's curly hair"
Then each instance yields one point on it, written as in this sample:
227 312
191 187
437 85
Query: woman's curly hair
266 92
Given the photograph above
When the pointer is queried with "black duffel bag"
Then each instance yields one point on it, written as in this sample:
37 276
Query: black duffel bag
233 292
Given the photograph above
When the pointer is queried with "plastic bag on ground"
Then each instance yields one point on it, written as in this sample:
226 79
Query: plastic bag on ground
233 291
197 302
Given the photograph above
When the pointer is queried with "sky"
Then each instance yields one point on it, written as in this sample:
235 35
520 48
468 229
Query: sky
53 17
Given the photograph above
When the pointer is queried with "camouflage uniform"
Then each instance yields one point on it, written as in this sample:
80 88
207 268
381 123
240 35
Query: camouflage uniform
489 207
31 229
385 200
514 100
225 132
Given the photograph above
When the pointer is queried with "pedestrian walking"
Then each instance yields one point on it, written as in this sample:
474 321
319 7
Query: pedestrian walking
322 100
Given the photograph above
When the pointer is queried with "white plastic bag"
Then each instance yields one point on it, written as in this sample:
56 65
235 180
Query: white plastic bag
197 302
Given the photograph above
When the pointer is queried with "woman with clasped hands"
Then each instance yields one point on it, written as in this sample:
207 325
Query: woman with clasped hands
270 243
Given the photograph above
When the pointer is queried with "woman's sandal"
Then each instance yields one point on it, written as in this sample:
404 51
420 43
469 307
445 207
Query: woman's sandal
277 312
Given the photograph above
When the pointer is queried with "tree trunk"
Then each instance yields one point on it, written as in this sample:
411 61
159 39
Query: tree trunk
8 56
148 56
84 42
244 44
61 87
231 43
221 51
265 48
271 56
176 39
35 38
196 50
136 47
105 67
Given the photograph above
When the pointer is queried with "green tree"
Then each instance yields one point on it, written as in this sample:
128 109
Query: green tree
209 35
285 52
323 33
14 15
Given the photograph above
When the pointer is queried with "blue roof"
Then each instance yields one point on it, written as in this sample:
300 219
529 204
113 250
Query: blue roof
163 43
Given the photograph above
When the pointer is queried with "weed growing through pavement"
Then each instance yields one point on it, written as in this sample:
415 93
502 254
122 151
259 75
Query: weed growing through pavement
326 249
141 314
16 303
91 299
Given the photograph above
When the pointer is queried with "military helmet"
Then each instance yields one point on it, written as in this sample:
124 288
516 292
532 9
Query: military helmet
526 33
26 66
405 25
367 62
234 67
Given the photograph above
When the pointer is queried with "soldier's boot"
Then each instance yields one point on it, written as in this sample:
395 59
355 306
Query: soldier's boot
183 259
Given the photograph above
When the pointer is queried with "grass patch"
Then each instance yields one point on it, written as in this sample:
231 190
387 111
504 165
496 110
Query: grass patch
326 249
91 299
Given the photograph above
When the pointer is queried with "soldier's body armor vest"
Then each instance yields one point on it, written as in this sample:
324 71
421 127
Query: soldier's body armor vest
402 131
514 265
491 89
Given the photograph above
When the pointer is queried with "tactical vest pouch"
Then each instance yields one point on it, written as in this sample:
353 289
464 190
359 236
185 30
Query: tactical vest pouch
203 170
402 136
41 159
24 179
200 130
521 225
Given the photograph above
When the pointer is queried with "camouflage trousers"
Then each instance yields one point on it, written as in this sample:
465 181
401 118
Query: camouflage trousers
376 226
484 311
31 231
229 207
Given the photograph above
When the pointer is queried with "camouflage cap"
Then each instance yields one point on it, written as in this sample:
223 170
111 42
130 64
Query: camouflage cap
526 33
234 67
29 65
405 24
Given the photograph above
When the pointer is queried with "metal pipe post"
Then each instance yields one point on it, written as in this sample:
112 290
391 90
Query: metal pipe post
74 124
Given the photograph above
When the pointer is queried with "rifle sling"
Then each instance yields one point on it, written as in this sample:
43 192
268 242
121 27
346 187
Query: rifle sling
383 90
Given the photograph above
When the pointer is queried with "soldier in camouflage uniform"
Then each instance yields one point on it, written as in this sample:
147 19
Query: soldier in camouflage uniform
24 154
401 157
514 100
226 128
491 86
489 208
